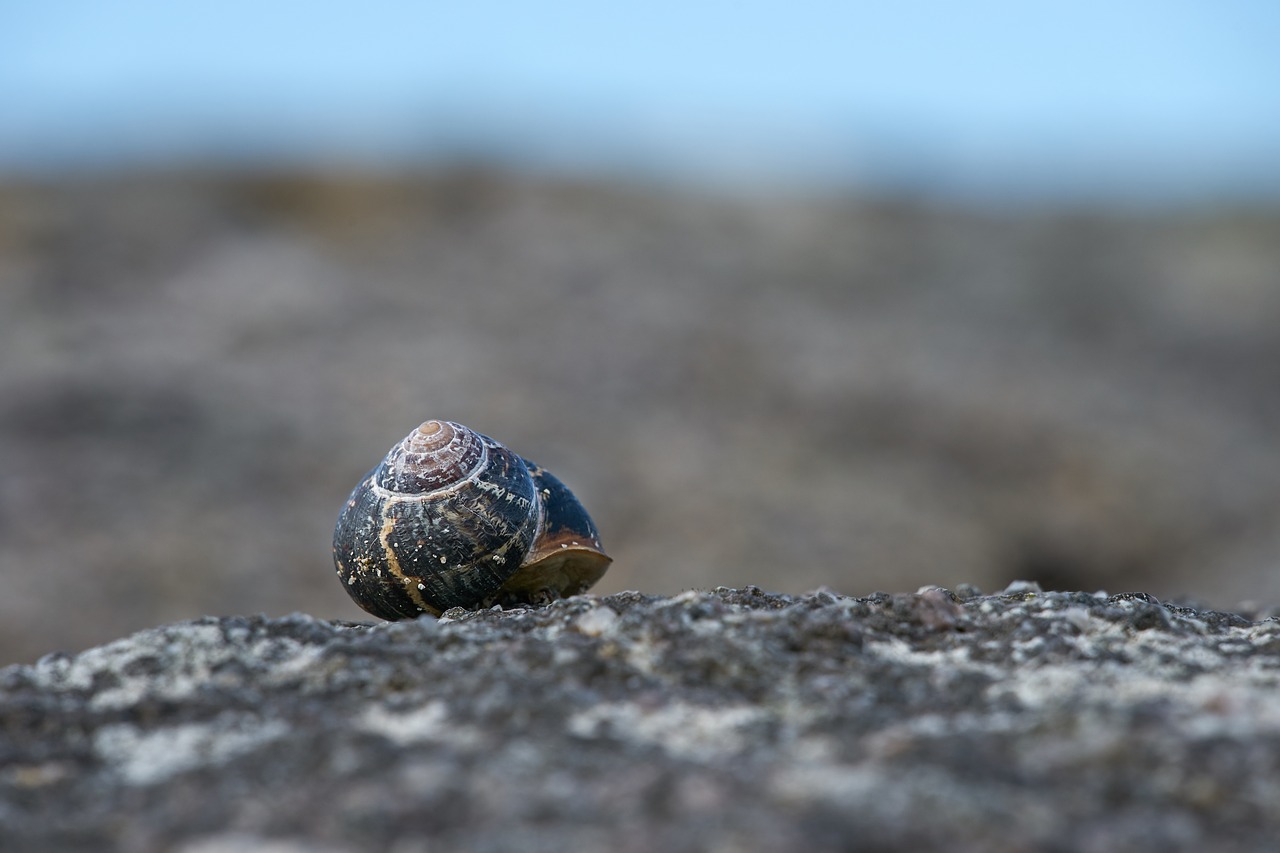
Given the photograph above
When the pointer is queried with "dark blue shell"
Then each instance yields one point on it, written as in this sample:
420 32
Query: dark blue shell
449 518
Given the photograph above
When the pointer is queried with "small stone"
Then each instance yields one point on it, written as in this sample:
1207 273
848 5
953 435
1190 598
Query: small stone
596 621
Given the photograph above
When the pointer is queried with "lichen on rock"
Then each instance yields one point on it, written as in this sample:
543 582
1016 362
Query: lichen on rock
732 719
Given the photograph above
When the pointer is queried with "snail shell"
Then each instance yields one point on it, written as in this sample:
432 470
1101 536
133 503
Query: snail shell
451 518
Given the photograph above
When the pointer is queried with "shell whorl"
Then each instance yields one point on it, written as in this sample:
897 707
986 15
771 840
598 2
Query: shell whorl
434 456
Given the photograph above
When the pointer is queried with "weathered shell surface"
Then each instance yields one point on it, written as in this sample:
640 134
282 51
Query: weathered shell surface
451 518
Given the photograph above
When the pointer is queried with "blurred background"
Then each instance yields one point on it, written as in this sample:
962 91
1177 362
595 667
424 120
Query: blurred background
861 295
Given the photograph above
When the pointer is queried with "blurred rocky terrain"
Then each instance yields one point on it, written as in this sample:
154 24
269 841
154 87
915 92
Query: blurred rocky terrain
858 393
724 720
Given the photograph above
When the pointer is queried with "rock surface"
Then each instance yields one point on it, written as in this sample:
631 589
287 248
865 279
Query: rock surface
727 720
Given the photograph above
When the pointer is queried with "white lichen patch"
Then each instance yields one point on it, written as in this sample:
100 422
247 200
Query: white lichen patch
239 842
824 782
679 728
188 666
956 659
1079 617
146 757
292 662
427 724
174 663
596 621
902 798
80 672
643 656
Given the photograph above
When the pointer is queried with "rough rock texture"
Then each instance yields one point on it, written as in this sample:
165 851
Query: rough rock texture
726 720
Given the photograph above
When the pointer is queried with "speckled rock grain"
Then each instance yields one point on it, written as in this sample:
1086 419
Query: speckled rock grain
728 720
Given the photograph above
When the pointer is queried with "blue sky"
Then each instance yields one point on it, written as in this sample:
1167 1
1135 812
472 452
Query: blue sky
1142 97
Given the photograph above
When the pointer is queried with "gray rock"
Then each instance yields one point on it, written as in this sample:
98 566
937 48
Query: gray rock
733 719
